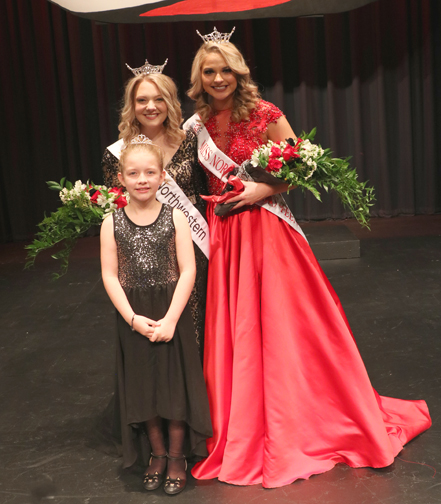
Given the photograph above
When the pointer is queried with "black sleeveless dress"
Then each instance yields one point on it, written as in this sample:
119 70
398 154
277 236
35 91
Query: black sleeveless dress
186 171
155 379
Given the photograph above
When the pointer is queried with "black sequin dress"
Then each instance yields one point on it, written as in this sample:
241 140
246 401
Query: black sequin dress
155 379
186 171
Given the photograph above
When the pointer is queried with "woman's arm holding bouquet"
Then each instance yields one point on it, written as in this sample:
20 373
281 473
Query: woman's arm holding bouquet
253 191
281 130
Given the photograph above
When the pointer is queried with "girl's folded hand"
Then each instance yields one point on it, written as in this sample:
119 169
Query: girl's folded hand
144 325
164 331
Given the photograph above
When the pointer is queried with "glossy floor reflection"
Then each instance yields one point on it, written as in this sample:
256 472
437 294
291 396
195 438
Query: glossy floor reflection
56 376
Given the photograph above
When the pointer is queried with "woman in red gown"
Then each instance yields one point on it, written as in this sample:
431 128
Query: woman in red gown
289 394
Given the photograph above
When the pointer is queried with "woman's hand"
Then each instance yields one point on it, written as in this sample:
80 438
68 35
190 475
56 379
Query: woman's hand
254 192
164 331
145 326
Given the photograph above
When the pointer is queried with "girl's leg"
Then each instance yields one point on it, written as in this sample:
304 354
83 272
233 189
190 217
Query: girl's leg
176 434
156 438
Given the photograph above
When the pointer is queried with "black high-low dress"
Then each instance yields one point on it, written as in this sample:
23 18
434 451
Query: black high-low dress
155 379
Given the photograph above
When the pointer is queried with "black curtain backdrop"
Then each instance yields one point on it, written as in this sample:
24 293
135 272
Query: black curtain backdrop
367 79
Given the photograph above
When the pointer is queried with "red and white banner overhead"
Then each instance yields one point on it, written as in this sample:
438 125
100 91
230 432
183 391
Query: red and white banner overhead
142 11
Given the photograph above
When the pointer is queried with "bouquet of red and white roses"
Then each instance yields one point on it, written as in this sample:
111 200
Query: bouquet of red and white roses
84 206
304 164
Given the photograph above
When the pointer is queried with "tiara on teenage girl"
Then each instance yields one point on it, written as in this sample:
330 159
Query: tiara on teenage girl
147 69
216 37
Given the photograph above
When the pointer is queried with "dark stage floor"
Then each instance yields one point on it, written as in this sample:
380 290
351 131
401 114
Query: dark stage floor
57 359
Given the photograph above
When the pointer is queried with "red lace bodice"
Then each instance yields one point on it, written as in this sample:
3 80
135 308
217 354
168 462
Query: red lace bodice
241 138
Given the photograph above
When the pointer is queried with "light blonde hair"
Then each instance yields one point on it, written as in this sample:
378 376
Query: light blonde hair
143 147
246 94
129 125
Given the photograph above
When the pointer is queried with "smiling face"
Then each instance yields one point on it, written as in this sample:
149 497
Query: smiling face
150 107
141 175
218 80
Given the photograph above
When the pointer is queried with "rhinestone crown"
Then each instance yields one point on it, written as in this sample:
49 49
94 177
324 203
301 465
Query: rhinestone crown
141 139
216 37
147 69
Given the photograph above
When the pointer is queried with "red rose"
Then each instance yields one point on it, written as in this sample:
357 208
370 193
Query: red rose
274 165
275 152
289 152
94 196
116 190
120 201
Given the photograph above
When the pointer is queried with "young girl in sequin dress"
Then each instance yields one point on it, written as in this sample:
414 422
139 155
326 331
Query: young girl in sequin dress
289 394
148 270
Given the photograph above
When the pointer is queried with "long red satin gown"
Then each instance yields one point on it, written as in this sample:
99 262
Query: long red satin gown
289 394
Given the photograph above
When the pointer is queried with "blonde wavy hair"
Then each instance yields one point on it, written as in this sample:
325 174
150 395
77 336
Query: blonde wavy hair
129 126
145 147
246 94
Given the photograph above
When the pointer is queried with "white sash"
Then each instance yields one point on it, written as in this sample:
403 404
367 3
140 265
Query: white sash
218 164
171 194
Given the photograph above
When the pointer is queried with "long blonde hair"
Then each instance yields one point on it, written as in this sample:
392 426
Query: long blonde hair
129 125
246 94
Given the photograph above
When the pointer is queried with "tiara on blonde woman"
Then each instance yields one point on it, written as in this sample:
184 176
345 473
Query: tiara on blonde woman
148 69
216 37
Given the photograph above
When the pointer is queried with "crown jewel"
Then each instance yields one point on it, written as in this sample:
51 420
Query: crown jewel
147 69
216 37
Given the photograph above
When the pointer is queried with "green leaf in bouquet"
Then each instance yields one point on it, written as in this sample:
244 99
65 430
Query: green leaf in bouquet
79 215
54 186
